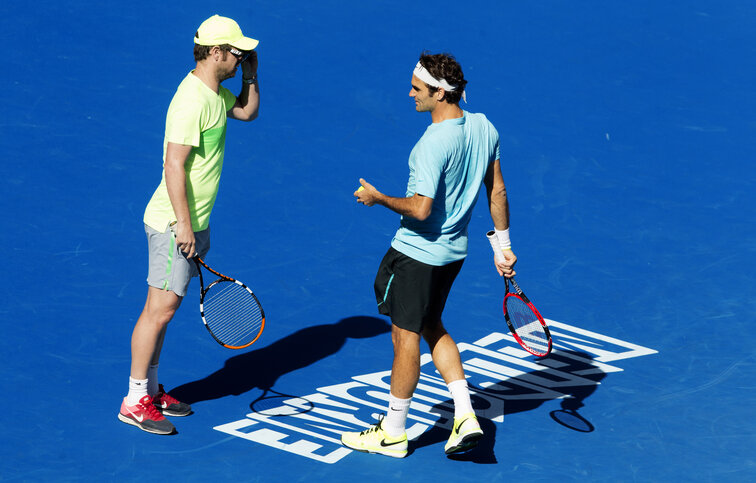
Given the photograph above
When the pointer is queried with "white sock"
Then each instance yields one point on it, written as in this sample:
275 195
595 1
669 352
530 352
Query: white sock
152 379
137 390
461 396
396 416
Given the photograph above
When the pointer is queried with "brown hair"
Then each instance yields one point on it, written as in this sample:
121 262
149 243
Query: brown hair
445 66
202 51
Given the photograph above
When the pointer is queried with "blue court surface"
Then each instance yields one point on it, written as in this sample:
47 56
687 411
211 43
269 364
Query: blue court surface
628 137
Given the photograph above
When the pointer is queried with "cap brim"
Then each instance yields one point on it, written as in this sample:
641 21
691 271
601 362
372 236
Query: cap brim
245 43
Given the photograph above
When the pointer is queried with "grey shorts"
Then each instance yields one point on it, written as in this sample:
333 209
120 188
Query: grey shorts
169 269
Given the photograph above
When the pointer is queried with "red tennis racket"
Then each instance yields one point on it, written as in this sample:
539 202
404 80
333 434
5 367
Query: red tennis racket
523 319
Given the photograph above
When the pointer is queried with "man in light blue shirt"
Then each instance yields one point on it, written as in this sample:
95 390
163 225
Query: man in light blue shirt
447 165
457 154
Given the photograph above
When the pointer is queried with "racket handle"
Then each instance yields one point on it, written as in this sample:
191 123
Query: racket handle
494 240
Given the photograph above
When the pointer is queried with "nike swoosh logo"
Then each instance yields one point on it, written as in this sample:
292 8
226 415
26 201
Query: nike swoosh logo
138 418
460 425
384 443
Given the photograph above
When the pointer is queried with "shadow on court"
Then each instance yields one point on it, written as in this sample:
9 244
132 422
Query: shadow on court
515 392
261 368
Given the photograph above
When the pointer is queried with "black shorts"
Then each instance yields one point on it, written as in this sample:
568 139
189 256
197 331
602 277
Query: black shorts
413 293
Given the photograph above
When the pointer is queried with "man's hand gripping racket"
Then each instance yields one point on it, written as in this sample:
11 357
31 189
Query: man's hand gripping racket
524 321
230 311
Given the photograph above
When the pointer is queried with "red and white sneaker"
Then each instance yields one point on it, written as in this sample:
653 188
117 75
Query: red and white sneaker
169 405
145 416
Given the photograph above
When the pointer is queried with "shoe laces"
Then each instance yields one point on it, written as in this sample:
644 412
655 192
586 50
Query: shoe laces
151 410
163 396
374 428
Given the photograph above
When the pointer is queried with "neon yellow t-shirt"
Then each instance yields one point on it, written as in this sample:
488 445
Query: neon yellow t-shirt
196 117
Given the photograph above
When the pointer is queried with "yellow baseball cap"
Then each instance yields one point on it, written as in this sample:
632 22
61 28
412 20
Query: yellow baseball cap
219 30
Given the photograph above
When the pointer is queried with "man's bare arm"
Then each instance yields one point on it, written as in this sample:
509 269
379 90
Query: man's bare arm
417 206
498 205
175 181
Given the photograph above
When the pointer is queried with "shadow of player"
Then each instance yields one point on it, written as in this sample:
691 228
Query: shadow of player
577 363
261 368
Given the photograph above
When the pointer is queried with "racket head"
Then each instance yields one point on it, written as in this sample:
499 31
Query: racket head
231 313
526 324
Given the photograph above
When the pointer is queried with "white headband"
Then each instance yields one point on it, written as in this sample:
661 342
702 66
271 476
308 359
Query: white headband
421 73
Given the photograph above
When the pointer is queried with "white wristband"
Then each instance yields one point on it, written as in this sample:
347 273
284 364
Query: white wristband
503 236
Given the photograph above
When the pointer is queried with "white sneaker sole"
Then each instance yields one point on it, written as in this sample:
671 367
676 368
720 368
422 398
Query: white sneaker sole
465 443
143 428
397 453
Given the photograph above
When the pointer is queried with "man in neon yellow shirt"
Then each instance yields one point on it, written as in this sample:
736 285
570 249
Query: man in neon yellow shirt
178 215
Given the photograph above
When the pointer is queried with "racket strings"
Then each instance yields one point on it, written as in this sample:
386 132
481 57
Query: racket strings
526 324
235 324
232 313
231 325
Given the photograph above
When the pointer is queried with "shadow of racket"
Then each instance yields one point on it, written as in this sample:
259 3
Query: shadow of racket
569 418
274 403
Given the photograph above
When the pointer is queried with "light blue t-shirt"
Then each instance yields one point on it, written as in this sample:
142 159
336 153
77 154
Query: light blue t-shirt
447 164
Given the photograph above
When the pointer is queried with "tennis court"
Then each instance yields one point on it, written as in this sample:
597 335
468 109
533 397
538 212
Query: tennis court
627 136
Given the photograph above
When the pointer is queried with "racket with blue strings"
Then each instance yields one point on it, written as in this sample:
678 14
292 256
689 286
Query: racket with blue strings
230 311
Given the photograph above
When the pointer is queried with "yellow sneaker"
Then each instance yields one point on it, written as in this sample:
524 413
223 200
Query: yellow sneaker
465 434
376 440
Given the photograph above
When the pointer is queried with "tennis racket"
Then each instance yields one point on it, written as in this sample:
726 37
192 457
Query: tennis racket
526 324
230 311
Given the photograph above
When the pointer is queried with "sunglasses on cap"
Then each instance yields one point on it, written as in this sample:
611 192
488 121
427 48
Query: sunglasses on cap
240 56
